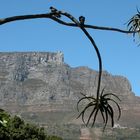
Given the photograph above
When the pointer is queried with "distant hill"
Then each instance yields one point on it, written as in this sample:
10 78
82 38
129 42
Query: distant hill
41 87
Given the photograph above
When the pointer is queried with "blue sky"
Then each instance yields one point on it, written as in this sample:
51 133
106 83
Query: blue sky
120 54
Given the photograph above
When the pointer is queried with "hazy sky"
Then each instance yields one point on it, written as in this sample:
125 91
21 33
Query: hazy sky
120 54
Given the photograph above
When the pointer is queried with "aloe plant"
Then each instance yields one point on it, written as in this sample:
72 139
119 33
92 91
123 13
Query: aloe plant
133 24
101 105
102 102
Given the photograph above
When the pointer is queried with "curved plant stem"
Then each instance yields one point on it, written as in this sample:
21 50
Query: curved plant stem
94 45
101 101
49 15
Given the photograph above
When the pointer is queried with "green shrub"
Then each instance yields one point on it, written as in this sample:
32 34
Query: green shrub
14 128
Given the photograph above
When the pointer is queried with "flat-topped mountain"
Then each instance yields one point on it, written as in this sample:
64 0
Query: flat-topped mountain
41 87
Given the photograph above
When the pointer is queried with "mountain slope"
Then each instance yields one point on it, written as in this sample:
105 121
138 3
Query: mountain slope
40 87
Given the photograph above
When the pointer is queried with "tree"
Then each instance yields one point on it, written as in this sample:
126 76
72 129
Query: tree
17 129
100 103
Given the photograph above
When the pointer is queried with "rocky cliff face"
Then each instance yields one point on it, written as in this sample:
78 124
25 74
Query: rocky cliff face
34 83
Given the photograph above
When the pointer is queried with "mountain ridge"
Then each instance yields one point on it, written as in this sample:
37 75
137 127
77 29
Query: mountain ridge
41 87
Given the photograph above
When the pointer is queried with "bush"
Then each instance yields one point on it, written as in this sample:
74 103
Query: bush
14 128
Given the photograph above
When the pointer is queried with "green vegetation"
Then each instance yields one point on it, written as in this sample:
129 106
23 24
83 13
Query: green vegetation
14 128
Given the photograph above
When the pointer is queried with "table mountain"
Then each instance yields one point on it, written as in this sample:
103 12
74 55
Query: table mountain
41 87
